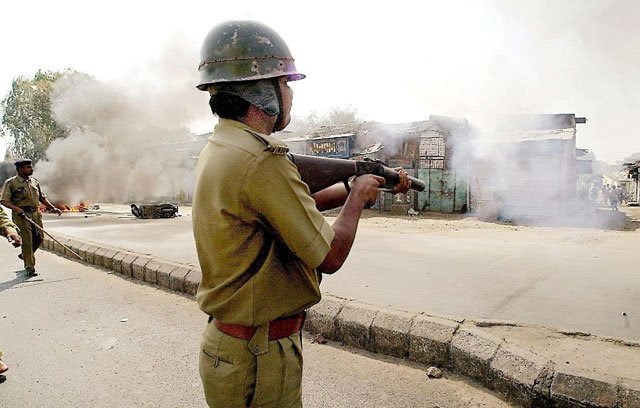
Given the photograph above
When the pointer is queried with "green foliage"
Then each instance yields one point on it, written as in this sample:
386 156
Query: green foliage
26 115
342 116
7 169
337 116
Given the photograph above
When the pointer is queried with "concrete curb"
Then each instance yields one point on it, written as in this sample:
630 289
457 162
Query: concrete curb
520 375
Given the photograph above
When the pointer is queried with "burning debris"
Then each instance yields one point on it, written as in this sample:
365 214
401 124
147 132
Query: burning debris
81 207
159 210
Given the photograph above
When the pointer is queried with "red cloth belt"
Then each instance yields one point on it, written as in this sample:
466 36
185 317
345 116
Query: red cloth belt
278 329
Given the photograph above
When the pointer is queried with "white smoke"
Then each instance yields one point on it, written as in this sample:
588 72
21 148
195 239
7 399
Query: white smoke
113 151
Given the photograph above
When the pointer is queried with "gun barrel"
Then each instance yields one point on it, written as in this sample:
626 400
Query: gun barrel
390 175
322 172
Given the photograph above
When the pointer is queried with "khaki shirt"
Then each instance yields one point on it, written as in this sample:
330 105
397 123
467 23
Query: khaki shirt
6 226
258 233
22 192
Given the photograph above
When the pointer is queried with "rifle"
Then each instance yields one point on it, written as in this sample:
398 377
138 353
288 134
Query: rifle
322 172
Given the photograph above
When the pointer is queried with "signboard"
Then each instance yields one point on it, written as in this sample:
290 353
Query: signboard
338 148
432 163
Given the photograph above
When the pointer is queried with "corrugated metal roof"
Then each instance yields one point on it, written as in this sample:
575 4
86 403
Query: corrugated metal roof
305 138
525 136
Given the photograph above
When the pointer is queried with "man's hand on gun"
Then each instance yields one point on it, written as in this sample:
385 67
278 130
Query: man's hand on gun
404 184
366 188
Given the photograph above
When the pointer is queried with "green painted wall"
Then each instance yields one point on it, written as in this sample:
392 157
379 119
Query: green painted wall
446 191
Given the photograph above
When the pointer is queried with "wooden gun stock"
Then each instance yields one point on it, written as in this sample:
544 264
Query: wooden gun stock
322 172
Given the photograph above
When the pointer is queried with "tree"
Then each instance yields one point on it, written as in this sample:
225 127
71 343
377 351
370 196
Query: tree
342 116
337 116
27 117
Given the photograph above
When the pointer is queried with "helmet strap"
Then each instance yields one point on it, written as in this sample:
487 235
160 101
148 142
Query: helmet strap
280 118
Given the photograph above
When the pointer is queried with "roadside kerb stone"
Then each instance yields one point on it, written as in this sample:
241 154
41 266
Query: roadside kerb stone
354 324
192 280
628 393
430 339
98 258
55 247
46 243
321 318
82 251
127 264
58 248
472 351
163 273
390 332
514 372
107 258
137 266
151 270
116 261
581 389
177 278
90 252
74 245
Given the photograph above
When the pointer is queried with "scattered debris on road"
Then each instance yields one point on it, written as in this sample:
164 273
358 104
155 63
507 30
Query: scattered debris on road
158 210
319 338
434 372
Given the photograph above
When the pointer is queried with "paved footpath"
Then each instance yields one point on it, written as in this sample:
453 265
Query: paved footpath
76 336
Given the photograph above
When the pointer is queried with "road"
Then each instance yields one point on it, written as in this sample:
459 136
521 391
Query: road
573 278
81 337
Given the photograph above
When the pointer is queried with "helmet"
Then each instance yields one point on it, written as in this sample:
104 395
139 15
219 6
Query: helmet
237 51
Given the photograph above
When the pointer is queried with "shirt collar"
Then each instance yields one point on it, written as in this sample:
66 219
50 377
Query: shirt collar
237 124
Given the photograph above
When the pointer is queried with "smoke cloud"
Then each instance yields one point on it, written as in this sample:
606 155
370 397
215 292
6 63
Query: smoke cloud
548 57
119 146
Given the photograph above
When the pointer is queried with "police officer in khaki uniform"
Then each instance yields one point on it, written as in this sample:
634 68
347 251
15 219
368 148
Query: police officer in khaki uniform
23 195
8 230
262 242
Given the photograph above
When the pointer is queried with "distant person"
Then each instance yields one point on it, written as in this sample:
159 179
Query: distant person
583 194
8 230
621 196
613 198
261 239
23 195
605 195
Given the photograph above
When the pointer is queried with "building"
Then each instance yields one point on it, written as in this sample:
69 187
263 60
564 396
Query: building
426 149
526 168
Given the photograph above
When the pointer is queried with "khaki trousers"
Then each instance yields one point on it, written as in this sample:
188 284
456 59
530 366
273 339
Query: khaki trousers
258 373
31 237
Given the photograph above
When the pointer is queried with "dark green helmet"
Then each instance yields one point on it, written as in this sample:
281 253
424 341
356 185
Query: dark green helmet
237 51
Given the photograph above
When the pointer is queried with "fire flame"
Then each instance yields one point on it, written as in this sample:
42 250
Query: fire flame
81 207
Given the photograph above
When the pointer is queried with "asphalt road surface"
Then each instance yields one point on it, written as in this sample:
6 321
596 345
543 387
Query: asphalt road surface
81 337
573 278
